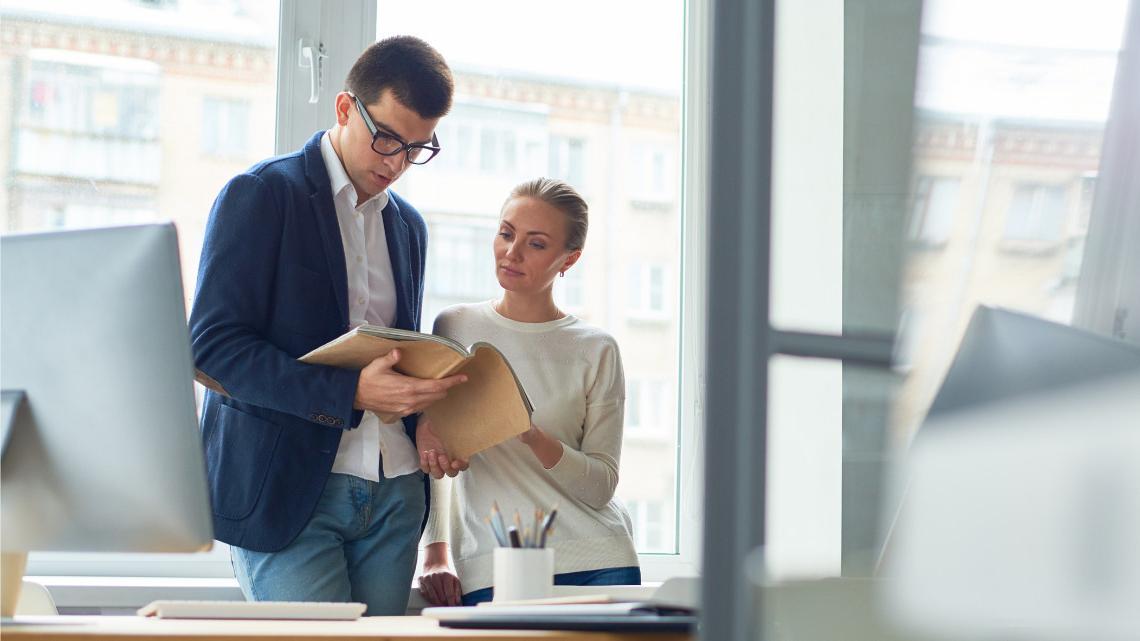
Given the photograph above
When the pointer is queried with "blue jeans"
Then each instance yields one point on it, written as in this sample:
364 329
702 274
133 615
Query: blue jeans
608 576
360 545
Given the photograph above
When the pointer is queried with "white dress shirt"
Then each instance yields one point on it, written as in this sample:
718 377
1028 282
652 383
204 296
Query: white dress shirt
372 300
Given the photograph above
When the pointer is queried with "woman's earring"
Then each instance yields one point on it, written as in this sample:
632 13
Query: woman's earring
562 274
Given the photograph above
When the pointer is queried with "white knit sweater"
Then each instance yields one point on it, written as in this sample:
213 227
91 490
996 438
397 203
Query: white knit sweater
572 373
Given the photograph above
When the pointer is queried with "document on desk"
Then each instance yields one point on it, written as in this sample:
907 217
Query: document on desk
266 610
630 608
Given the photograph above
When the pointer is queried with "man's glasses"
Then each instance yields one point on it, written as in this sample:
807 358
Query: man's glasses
389 144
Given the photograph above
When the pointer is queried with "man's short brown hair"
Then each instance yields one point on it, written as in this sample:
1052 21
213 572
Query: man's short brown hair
415 72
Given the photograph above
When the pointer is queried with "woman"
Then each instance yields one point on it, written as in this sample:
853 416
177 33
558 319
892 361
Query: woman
572 373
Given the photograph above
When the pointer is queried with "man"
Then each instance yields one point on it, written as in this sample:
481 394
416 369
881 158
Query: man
318 499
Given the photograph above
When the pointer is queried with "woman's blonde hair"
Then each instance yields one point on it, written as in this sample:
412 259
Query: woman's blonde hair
562 197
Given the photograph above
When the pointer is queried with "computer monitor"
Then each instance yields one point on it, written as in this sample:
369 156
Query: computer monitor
102 451
1005 354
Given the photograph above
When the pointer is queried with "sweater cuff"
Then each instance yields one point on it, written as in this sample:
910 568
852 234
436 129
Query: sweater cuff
570 470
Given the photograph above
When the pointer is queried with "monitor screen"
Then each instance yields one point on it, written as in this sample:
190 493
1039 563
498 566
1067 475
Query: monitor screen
102 451
1004 354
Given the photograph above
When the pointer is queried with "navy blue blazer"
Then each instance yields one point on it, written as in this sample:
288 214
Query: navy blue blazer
272 285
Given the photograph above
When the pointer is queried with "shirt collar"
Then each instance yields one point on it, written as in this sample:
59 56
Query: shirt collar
339 181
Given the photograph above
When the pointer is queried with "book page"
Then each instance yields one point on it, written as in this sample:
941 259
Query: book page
419 358
485 411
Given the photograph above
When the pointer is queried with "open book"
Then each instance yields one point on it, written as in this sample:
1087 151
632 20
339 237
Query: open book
486 410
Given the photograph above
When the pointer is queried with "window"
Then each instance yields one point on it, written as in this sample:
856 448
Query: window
569 292
649 171
1036 213
147 110
571 112
932 217
648 523
225 123
1087 187
86 117
647 409
460 266
567 159
646 291
130 113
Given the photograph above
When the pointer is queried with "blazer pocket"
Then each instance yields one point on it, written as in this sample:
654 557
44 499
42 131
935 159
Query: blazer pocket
240 454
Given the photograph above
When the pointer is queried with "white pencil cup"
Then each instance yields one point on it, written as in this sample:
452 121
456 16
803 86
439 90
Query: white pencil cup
523 573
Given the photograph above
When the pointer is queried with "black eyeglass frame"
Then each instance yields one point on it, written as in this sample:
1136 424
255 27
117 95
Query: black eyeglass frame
405 147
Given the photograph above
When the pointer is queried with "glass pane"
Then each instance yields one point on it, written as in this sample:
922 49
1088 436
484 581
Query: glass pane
130 112
824 482
533 100
1009 125
134 114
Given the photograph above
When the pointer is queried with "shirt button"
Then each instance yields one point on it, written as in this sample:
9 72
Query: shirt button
360 259
360 300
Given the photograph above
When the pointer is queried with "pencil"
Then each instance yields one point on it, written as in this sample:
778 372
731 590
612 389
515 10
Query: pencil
547 527
498 516
495 531
537 526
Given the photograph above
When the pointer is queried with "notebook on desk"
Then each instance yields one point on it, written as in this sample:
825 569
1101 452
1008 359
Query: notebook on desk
592 623
294 610
671 609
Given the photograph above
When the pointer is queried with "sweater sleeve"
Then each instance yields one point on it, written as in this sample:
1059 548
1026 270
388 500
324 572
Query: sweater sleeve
439 517
590 473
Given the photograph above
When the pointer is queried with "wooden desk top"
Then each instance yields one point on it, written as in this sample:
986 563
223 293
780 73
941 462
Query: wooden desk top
127 628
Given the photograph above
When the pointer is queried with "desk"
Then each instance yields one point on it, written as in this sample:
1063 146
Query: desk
75 628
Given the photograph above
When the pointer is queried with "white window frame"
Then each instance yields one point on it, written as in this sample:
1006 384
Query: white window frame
346 27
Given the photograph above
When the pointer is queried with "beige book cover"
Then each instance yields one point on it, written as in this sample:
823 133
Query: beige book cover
489 408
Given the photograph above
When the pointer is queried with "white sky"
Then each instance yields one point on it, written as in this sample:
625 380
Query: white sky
635 43
1075 24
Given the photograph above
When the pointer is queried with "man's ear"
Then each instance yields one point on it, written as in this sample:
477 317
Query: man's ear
342 105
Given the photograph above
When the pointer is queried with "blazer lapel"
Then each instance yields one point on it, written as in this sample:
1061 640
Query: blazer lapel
322 205
396 233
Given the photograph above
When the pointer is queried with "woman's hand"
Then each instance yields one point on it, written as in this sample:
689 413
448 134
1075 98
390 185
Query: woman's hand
434 459
547 449
440 586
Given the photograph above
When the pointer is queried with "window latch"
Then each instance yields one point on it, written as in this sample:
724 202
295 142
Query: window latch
313 60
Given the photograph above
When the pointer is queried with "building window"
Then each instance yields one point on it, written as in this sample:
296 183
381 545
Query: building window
498 151
932 215
646 294
568 160
460 264
1087 184
89 117
645 405
649 173
1036 214
569 291
225 123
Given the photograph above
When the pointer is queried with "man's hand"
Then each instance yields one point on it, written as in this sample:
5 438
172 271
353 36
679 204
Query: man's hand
434 459
389 393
